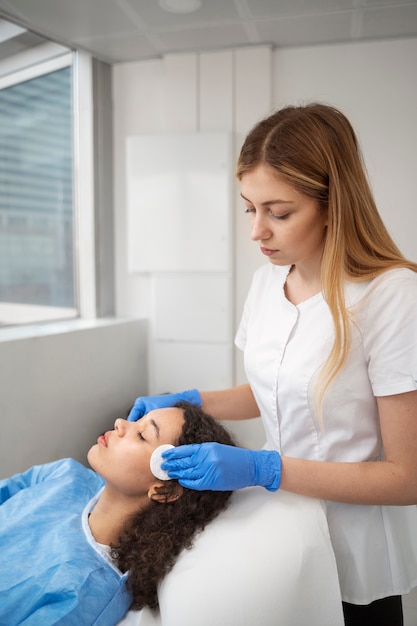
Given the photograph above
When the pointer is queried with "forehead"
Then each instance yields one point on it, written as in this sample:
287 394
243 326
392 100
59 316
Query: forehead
168 421
264 179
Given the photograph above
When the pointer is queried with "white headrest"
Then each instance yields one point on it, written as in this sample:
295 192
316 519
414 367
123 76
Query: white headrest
266 560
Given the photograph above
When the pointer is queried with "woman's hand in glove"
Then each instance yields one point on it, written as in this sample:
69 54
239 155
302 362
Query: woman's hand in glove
217 467
144 404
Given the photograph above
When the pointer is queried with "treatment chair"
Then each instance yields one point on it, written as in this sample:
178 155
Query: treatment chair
266 560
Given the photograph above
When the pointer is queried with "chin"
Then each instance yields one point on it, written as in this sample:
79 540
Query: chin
90 455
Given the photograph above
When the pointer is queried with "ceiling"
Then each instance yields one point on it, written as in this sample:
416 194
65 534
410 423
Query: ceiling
132 30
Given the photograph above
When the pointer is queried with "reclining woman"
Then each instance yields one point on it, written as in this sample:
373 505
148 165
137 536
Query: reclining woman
83 547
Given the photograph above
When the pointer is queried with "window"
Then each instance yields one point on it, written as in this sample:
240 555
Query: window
56 212
36 198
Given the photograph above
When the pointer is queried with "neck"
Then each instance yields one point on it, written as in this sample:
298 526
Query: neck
111 513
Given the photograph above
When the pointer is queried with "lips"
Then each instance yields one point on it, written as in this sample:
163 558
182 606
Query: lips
103 440
267 251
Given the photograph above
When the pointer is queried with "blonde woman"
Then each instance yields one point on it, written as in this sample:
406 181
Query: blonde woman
329 334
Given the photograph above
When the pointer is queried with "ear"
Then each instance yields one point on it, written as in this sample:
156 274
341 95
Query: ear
164 492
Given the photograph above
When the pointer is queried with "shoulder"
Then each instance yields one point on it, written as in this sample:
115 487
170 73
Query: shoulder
70 471
399 276
392 285
388 306
64 466
397 286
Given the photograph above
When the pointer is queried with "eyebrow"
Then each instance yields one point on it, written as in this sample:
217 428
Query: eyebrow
269 202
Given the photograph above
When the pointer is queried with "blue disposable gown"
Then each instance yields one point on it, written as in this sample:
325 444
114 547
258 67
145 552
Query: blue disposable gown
52 571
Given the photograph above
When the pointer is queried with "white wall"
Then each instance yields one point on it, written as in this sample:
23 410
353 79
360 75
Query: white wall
374 83
60 389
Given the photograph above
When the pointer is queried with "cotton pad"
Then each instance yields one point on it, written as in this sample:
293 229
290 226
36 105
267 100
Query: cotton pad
157 460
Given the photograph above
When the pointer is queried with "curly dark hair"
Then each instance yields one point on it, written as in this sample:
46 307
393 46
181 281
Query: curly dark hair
156 536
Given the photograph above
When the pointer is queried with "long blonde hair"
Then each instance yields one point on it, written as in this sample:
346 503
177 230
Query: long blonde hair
314 148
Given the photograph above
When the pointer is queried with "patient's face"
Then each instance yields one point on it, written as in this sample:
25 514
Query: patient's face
121 456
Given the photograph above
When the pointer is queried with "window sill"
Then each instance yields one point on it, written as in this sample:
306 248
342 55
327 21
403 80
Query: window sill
15 333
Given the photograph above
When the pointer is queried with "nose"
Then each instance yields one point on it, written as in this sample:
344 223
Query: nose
120 426
259 228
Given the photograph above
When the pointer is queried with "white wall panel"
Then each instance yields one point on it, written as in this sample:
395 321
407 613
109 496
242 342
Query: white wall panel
179 202
139 105
216 91
190 307
252 86
180 92
184 365
253 89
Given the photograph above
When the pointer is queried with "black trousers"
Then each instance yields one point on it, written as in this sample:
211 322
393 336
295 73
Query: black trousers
384 612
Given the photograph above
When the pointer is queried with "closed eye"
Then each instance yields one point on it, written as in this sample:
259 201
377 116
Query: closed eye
140 436
280 217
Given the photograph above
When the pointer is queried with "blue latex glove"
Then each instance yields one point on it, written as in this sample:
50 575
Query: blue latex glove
144 404
217 467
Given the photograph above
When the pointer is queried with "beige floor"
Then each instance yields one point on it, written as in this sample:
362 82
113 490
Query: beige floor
410 608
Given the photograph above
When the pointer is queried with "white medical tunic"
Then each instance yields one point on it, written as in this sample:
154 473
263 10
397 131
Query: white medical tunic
284 348
52 571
